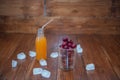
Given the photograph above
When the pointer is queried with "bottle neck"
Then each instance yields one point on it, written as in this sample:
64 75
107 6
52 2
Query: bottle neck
40 33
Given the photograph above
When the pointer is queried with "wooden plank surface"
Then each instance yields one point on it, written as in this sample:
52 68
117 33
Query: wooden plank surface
93 53
74 9
114 52
80 25
102 50
78 7
83 16
21 7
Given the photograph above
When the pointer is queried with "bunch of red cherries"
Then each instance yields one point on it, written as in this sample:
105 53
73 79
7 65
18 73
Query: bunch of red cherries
67 53
67 44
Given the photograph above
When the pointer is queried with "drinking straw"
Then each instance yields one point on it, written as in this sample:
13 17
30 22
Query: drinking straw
46 24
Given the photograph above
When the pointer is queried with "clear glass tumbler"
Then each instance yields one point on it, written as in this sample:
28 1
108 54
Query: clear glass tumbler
67 58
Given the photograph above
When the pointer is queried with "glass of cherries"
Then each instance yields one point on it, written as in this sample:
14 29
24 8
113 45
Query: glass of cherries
67 54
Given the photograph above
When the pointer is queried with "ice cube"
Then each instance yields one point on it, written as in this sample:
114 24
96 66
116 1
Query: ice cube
37 71
32 53
21 56
54 55
43 62
46 73
79 49
78 46
90 66
14 63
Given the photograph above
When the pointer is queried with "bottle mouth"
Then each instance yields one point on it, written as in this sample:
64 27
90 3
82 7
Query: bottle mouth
40 31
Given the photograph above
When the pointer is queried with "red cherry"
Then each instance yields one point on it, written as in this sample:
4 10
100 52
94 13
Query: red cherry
62 46
69 44
70 60
65 39
70 63
63 60
70 54
70 41
73 46
64 43
66 47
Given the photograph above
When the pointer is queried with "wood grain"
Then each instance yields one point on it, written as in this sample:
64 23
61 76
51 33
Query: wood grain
93 53
83 16
22 70
80 25
113 55
21 7
102 50
78 9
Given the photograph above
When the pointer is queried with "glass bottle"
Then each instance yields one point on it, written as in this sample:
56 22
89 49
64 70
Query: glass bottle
41 45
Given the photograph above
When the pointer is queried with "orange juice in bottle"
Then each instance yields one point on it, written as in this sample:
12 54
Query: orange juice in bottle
41 45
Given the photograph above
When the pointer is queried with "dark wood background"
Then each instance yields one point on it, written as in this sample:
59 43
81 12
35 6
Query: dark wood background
71 16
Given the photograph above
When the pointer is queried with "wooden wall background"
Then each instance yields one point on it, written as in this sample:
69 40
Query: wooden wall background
70 16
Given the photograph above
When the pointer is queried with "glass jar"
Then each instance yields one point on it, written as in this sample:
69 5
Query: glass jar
67 58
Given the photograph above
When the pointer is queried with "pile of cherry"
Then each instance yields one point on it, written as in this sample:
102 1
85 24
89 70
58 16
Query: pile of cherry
67 44
67 54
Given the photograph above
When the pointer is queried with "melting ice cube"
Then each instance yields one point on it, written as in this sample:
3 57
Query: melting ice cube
54 55
78 46
90 67
37 71
32 53
46 73
21 56
14 63
79 49
43 62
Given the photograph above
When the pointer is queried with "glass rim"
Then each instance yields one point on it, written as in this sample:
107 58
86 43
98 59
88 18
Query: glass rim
67 49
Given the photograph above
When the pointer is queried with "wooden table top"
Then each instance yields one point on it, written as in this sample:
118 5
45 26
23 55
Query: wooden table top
103 51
